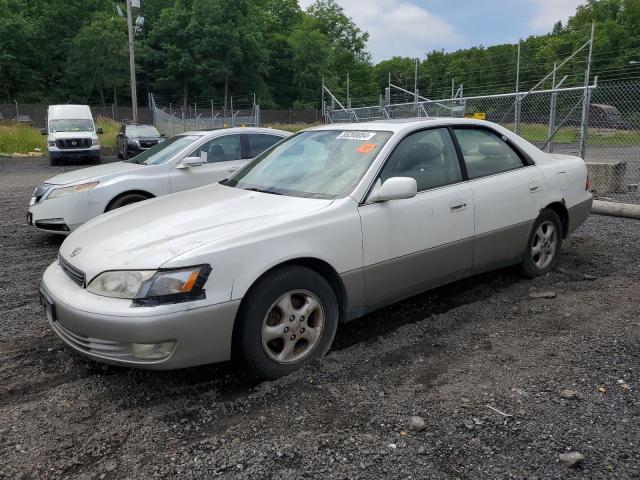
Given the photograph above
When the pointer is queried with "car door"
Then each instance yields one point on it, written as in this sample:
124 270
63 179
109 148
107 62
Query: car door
221 156
411 244
508 192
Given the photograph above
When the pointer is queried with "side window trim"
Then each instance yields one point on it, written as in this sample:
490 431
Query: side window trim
526 160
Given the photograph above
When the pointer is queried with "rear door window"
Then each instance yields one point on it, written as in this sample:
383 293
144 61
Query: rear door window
259 142
220 149
485 153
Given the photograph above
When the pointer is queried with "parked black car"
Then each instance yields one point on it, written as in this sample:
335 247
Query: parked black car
134 138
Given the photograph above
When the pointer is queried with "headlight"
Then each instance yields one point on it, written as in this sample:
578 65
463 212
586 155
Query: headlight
152 287
132 141
63 191
95 141
51 143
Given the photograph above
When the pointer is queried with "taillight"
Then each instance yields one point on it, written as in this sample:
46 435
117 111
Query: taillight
586 186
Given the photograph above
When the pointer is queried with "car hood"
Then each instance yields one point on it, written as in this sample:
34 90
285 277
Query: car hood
149 234
92 173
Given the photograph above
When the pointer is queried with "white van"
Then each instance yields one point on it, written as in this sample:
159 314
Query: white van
71 133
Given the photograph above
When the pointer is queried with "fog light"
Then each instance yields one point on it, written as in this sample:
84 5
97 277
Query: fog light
153 351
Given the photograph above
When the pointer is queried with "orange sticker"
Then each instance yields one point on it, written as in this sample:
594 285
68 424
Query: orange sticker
367 147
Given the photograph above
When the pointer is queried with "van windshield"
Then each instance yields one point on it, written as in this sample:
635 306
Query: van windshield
67 125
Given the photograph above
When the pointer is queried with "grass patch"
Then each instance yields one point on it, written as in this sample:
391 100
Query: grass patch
293 128
537 133
20 138
111 128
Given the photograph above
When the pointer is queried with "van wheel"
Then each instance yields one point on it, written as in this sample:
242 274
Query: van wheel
543 247
288 319
54 162
126 199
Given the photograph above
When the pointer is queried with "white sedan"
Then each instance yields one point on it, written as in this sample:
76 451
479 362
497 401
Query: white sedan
332 223
64 202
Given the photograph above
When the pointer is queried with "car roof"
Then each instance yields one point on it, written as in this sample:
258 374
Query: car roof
401 124
233 130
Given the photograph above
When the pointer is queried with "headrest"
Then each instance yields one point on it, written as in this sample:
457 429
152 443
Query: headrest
422 153
491 148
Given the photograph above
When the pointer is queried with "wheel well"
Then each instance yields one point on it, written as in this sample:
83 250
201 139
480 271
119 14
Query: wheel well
129 192
318 266
563 213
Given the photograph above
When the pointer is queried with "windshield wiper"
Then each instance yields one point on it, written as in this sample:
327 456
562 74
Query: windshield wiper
253 189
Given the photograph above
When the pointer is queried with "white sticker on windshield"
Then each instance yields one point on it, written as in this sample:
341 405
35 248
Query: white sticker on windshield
356 135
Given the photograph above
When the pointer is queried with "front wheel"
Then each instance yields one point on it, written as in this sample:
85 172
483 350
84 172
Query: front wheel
288 319
543 247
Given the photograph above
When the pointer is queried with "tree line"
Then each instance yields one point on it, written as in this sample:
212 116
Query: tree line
76 51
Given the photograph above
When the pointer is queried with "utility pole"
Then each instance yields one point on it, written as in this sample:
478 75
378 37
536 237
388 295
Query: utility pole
132 64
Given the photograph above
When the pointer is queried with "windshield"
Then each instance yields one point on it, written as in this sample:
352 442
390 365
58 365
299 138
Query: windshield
165 151
71 126
142 131
314 164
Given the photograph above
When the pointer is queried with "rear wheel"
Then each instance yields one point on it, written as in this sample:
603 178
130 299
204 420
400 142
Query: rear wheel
544 245
126 199
289 319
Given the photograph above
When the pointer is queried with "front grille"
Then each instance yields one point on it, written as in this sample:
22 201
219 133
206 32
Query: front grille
147 143
52 226
71 143
40 191
72 272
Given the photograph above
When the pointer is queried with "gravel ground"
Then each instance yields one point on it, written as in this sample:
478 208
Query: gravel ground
446 356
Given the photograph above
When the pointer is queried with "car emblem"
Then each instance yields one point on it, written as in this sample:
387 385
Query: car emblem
74 142
76 251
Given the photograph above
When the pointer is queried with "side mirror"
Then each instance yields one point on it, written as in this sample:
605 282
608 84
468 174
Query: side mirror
99 131
43 131
395 188
192 162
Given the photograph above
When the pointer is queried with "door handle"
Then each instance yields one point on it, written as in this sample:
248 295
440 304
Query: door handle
534 187
457 205
233 169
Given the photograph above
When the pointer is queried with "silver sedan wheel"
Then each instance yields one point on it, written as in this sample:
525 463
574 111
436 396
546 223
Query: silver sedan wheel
293 326
544 245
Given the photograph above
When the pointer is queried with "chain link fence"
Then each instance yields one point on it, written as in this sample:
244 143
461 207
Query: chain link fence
606 134
171 118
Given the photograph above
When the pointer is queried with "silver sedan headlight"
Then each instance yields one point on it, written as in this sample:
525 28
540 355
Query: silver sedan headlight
153 287
64 191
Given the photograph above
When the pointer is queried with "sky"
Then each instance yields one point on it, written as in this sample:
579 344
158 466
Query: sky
411 28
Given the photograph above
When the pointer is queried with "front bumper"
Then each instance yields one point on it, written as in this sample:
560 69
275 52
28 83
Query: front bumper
106 332
57 153
62 215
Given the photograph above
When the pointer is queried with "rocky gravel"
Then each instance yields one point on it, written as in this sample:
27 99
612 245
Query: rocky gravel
490 377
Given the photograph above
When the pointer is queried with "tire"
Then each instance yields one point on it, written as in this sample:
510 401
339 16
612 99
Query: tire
289 328
126 199
543 246
120 157
53 161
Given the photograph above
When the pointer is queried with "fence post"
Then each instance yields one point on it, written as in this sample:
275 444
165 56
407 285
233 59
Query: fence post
516 114
586 105
552 111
